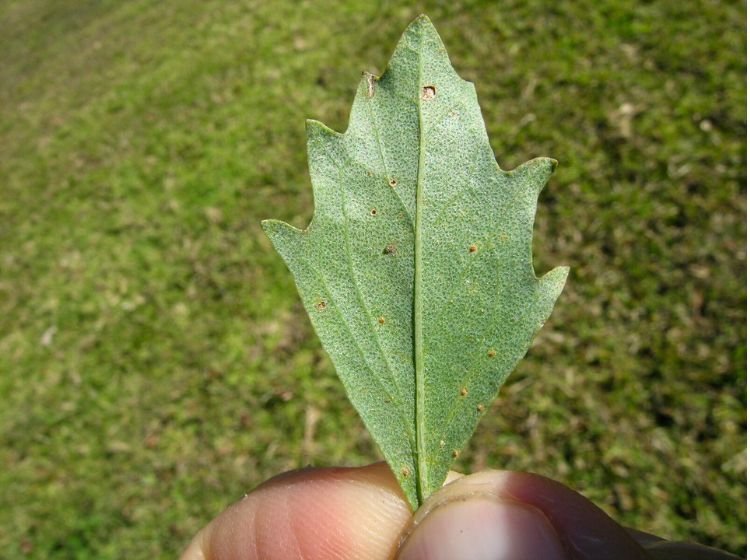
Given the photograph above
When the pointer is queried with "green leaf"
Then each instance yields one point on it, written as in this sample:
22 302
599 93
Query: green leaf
416 269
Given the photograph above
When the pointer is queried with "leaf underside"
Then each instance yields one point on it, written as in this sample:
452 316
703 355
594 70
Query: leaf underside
416 269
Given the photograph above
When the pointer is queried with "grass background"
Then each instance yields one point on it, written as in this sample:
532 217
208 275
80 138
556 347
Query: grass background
155 362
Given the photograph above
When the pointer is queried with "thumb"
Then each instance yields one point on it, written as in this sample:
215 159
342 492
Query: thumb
495 515
311 514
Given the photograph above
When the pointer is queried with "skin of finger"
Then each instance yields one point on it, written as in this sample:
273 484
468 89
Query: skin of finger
585 531
642 538
313 514
661 549
686 551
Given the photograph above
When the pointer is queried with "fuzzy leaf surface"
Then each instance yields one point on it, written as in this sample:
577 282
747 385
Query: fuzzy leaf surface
416 269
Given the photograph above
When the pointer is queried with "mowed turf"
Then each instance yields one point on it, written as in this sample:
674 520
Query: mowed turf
155 363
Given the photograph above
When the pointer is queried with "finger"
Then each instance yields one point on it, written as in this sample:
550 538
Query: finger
312 514
687 551
506 515
642 538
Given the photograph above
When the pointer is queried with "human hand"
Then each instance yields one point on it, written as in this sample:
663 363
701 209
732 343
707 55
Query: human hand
360 513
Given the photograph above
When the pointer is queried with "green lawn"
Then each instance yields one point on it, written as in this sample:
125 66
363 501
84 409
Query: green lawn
155 362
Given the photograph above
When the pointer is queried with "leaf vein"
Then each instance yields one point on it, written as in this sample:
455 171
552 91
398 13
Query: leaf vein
363 306
376 130
365 362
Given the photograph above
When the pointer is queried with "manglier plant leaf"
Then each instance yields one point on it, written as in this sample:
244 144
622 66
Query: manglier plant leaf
416 269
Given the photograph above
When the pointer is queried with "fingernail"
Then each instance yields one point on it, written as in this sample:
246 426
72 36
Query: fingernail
483 529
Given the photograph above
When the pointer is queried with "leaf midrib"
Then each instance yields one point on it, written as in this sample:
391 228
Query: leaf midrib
419 373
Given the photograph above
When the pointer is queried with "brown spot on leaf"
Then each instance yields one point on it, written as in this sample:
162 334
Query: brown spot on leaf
374 212
428 92
491 353
321 305
381 320
455 453
393 182
480 408
464 391
390 249
405 472
472 248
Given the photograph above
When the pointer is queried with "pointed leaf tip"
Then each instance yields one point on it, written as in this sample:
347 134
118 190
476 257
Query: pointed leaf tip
556 277
549 289
421 20
535 173
317 128
278 231
539 167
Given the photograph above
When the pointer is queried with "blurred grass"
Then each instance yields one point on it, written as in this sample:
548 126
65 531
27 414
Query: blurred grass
154 361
